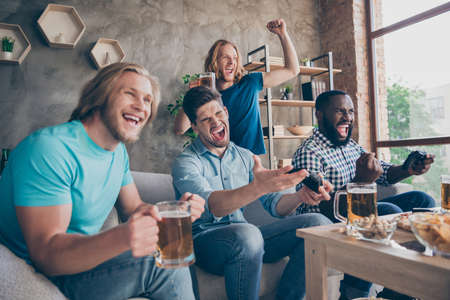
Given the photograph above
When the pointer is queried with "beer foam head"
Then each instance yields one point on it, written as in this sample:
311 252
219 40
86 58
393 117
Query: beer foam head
174 214
357 190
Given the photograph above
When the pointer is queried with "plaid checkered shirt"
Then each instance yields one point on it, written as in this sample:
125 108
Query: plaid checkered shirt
337 164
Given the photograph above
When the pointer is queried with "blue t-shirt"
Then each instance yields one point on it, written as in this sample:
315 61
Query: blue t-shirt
61 165
241 100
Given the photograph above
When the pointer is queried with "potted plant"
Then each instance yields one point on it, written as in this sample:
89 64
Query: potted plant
306 62
7 47
287 93
174 108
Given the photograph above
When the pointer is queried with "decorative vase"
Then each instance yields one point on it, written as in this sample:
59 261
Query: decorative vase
6 54
290 96
107 59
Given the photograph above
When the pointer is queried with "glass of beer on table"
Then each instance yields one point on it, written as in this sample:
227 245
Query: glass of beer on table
175 247
361 202
445 192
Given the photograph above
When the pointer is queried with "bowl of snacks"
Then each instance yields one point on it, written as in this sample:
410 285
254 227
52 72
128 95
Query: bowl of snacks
300 130
432 230
374 229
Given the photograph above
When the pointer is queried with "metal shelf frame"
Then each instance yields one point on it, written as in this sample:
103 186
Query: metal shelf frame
268 91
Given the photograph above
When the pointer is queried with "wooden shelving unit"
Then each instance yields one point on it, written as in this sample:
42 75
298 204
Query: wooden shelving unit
287 137
289 103
257 66
61 26
22 45
274 64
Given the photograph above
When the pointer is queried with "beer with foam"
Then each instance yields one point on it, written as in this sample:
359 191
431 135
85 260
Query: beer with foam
175 246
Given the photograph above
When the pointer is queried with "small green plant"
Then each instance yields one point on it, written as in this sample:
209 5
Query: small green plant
288 88
174 108
304 60
8 44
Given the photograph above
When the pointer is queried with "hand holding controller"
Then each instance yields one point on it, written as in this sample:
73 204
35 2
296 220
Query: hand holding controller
313 181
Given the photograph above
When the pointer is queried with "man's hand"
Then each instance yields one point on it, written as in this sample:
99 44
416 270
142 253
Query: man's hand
368 168
277 26
142 230
422 166
194 83
197 204
310 197
270 181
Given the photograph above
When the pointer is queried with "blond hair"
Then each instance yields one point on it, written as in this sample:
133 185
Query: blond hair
213 56
96 92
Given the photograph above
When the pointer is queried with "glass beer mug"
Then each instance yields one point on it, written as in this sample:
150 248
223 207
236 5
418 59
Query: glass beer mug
207 79
175 248
361 202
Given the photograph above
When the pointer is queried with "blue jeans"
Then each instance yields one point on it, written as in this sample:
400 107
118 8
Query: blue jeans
123 277
237 251
352 287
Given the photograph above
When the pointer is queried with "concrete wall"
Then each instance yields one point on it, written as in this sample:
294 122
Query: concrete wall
169 37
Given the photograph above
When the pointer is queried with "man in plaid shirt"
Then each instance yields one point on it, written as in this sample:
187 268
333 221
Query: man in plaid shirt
331 152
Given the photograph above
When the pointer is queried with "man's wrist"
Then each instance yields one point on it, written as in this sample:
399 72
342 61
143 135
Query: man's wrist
257 189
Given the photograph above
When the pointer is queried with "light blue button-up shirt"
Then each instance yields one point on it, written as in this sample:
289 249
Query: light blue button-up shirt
201 172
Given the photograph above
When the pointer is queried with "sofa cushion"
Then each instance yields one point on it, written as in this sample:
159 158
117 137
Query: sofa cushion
154 187
19 280
391 190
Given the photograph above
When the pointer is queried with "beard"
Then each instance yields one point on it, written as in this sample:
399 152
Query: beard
332 134
112 123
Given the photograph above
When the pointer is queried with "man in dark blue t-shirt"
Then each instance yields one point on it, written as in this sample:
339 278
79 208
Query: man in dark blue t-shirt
240 92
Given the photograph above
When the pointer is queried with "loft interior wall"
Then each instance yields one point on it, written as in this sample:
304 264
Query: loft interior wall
169 37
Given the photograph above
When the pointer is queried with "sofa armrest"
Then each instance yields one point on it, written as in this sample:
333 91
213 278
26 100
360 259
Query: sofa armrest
392 190
19 280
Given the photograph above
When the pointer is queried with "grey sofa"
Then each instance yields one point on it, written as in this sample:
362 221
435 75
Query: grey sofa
18 280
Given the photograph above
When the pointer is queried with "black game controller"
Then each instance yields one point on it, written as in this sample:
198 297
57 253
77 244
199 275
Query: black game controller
313 181
414 158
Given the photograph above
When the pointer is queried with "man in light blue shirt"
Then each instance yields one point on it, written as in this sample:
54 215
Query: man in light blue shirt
229 177
61 183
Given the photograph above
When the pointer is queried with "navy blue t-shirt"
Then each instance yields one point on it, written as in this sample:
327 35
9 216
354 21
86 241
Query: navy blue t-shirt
241 100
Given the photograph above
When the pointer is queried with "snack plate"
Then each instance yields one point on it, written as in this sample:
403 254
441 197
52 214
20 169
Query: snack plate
433 231
373 234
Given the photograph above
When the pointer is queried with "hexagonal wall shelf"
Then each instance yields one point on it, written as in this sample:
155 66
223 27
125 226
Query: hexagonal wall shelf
106 51
61 26
21 45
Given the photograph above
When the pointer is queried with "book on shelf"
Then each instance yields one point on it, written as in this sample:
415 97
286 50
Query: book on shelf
312 89
278 130
274 60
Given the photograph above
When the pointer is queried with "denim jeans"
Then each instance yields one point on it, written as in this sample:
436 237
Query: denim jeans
352 287
237 251
123 277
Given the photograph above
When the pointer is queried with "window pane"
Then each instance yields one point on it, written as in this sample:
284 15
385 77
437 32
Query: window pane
430 181
413 81
388 12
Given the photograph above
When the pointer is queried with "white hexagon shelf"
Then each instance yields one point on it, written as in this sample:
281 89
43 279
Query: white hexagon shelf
106 51
61 26
21 43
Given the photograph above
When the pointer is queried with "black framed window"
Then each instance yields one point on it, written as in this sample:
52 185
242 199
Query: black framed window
409 63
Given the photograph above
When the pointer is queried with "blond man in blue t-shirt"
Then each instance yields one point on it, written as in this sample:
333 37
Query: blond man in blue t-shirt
61 183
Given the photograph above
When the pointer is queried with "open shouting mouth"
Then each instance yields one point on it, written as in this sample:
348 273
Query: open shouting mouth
218 133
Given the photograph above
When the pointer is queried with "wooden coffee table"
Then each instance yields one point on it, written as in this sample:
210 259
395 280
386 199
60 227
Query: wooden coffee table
403 270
